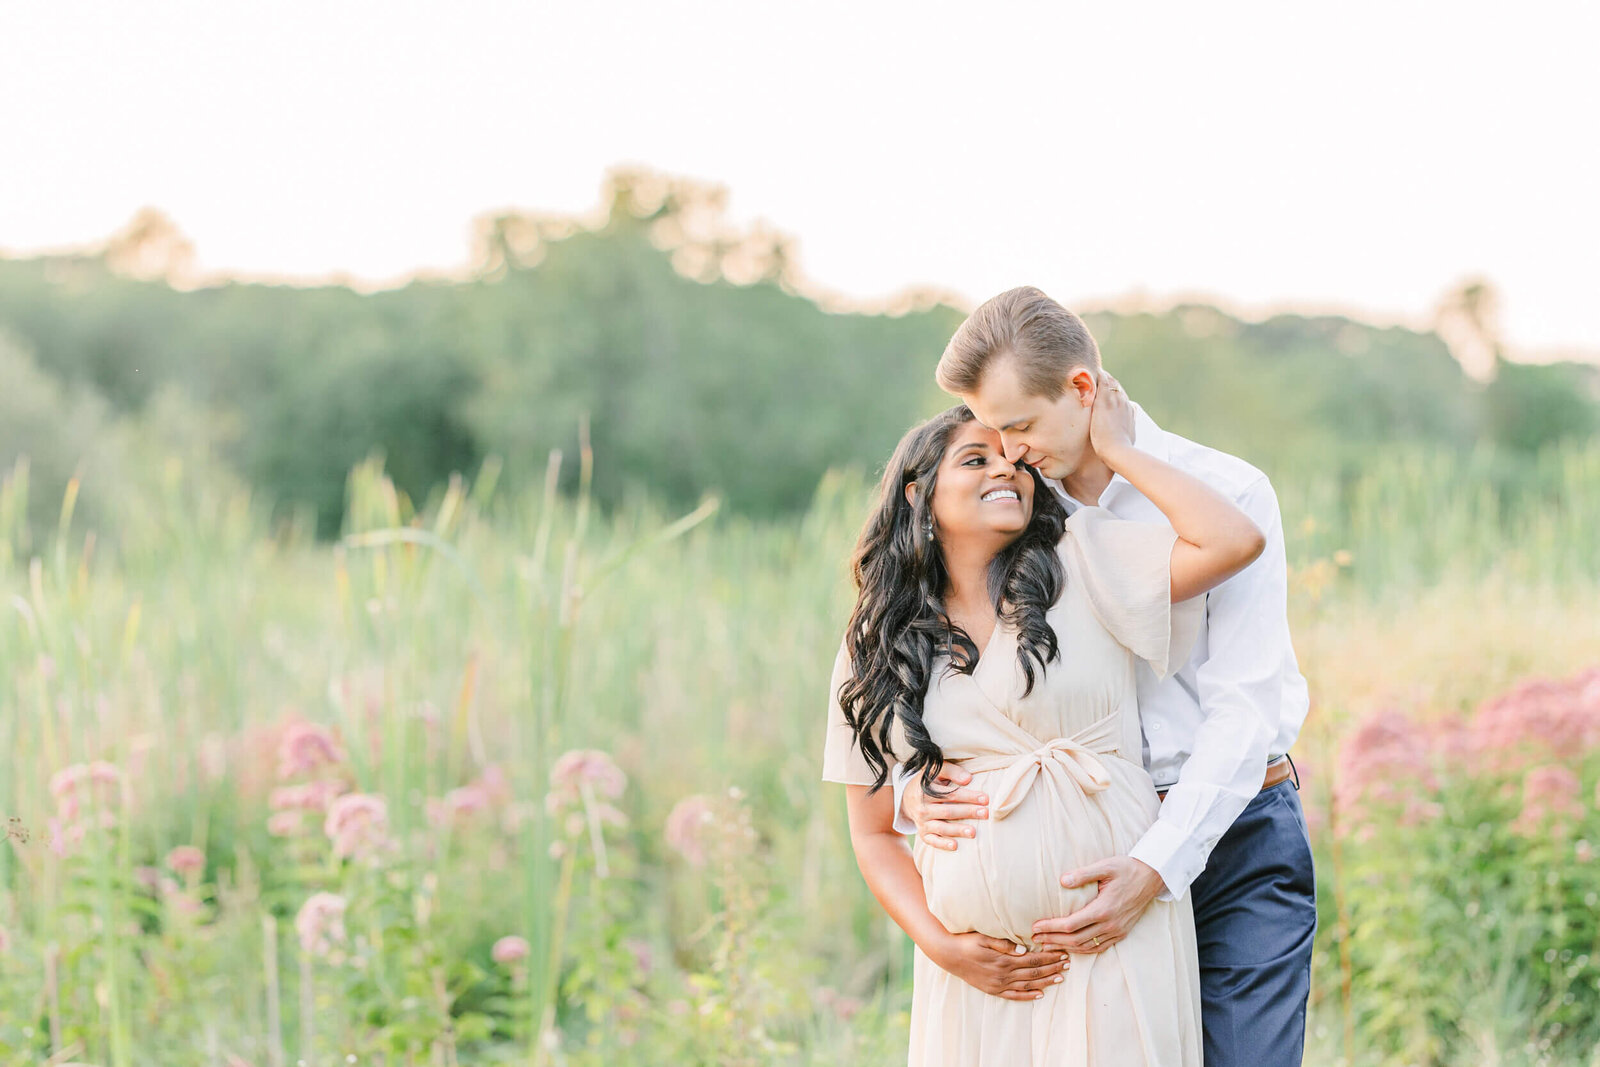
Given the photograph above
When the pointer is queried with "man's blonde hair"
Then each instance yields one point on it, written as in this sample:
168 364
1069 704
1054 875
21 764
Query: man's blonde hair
1045 339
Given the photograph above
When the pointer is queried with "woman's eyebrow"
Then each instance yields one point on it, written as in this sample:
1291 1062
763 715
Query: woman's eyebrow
970 445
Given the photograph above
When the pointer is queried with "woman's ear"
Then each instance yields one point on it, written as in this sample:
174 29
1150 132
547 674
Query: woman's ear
911 493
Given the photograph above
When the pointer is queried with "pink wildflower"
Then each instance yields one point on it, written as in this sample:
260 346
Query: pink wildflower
186 858
509 949
357 824
1549 800
310 796
306 747
587 767
1583 852
149 877
467 799
59 846
320 923
493 781
5 940
97 786
99 780
1540 719
284 824
688 827
1385 766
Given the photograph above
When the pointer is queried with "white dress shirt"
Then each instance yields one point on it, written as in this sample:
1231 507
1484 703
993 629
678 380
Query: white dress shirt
1240 700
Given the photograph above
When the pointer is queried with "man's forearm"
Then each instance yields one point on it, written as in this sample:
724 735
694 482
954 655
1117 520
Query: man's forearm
1240 687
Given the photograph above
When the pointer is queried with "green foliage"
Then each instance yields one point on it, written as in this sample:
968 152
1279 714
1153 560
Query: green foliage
500 629
1530 407
1472 839
686 349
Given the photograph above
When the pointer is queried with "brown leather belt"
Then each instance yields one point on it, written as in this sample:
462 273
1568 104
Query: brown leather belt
1277 773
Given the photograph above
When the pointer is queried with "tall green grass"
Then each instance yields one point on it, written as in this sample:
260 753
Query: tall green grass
479 628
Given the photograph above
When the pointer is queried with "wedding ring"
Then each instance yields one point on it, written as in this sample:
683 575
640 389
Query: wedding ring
1096 942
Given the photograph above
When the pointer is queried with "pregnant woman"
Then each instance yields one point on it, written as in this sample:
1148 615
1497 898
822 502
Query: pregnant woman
992 631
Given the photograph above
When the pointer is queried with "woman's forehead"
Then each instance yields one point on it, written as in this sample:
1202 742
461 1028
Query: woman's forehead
973 433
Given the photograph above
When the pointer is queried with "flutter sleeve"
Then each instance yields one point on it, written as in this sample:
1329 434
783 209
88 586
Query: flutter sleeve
842 760
1125 570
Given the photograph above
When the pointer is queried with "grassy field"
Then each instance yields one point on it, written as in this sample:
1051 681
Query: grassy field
579 815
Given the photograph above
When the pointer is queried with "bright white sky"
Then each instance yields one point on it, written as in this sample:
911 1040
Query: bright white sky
1364 156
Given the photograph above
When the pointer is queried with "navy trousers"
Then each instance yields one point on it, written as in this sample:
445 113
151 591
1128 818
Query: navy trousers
1255 915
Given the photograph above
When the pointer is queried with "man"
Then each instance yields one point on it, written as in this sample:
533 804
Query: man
1217 732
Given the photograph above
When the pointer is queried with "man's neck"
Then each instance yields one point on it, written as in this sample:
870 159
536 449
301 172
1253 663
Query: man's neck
1090 479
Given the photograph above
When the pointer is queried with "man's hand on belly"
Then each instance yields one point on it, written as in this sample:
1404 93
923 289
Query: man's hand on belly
1127 886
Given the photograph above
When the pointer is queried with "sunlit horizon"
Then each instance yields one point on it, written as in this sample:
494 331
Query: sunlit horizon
1135 300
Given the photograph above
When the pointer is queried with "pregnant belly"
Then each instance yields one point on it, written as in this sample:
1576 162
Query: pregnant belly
1008 876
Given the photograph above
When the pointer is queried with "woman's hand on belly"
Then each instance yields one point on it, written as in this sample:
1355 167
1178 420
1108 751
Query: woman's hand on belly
999 968
941 820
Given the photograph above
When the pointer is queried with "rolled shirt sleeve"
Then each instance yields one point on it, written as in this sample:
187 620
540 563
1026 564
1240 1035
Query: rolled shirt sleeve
1240 691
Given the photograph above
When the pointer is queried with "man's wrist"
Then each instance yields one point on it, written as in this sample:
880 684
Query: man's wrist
1151 883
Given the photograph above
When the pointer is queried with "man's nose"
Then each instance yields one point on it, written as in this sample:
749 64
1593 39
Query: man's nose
1013 450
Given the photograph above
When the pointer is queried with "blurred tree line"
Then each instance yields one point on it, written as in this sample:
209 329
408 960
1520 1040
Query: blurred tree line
688 347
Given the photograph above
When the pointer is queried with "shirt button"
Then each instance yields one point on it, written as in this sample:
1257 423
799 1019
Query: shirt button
1155 727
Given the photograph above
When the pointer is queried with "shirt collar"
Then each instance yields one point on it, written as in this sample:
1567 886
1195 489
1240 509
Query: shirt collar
1147 437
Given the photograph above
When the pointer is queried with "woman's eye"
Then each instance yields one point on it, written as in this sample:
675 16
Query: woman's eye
975 459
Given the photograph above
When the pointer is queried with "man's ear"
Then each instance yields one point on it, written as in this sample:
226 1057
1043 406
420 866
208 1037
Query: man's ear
1082 382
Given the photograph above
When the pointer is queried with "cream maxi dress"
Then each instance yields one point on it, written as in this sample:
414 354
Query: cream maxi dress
1062 768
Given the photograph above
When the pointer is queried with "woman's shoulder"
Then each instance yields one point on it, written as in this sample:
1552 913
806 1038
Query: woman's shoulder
1085 517
1085 524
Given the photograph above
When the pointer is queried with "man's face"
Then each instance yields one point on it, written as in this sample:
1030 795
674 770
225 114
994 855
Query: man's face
1050 435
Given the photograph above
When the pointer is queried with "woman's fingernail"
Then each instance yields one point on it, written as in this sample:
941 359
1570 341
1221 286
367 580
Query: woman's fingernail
1038 996
1057 978
982 799
983 813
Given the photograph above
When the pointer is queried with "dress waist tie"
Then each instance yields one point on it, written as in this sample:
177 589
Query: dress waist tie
1076 758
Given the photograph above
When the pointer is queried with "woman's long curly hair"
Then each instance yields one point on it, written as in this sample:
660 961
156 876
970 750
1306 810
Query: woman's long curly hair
899 625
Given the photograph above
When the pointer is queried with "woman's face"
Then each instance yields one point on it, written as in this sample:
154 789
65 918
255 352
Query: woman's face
980 495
